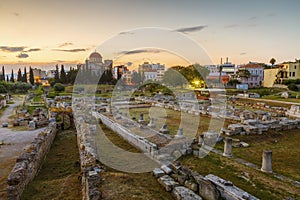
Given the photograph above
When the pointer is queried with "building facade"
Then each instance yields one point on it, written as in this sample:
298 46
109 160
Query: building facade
256 77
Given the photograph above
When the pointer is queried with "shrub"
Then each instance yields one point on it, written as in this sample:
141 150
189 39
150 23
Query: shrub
58 87
293 87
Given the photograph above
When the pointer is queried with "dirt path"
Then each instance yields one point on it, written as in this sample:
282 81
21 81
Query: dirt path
14 144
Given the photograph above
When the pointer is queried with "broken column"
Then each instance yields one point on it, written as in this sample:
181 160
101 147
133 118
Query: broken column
267 161
151 123
141 119
179 133
227 147
164 129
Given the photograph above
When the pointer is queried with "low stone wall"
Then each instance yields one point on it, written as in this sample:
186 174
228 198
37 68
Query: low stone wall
141 143
90 169
29 163
187 184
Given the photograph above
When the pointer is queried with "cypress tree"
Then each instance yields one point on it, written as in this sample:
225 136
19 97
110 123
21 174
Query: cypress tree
24 79
2 77
31 77
19 77
12 79
63 76
56 76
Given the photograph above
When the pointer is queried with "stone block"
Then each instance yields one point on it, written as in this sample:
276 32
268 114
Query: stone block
166 169
158 172
167 182
182 193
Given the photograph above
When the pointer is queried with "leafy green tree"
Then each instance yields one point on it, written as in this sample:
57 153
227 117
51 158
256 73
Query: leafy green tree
136 78
273 61
173 77
31 77
58 87
243 74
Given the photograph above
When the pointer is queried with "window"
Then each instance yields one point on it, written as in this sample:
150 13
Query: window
290 73
293 74
295 67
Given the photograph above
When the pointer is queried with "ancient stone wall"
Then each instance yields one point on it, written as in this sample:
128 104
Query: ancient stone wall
187 184
29 163
137 141
89 167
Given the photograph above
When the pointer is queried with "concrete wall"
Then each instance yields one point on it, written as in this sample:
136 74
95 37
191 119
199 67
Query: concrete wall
29 163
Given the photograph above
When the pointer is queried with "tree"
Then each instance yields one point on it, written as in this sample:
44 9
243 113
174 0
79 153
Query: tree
56 75
63 76
31 77
136 78
19 77
24 79
2 76
174 78
272 61
58 87
12 79
7 79
243 73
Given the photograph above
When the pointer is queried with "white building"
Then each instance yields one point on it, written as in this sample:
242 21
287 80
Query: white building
152 71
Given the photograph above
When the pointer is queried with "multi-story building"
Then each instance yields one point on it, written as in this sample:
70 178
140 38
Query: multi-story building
256 74
284 71
152 71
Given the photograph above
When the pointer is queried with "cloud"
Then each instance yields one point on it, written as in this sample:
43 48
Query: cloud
70 50
253 18
33 49
243 53
126 33
190 29
271 14
22 55
11 49
16 14
66 44
232 26
141 51
129 64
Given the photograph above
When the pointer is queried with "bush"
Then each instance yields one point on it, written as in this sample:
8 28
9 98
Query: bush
293 87
58 87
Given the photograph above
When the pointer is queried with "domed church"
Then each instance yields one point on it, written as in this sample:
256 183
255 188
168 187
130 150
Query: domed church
95 64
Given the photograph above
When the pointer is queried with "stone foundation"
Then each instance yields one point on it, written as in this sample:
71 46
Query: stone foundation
29 163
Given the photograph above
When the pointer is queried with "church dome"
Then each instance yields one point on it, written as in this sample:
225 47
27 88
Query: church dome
95 57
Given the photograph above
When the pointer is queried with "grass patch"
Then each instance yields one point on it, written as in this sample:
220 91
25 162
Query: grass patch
126 186
259 184
58 178
284 145
192 125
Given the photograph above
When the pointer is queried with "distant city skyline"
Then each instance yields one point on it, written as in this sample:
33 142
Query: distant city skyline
46 33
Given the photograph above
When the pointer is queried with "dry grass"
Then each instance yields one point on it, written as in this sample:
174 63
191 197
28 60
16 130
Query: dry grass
58 178
116 185
259 184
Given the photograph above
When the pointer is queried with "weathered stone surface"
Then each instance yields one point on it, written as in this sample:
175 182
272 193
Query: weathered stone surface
166 169
158 172
182 193
167 182
192 186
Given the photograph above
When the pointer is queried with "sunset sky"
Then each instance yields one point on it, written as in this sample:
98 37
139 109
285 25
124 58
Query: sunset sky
35 32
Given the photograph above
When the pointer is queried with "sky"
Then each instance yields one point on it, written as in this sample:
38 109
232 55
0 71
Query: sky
45 33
